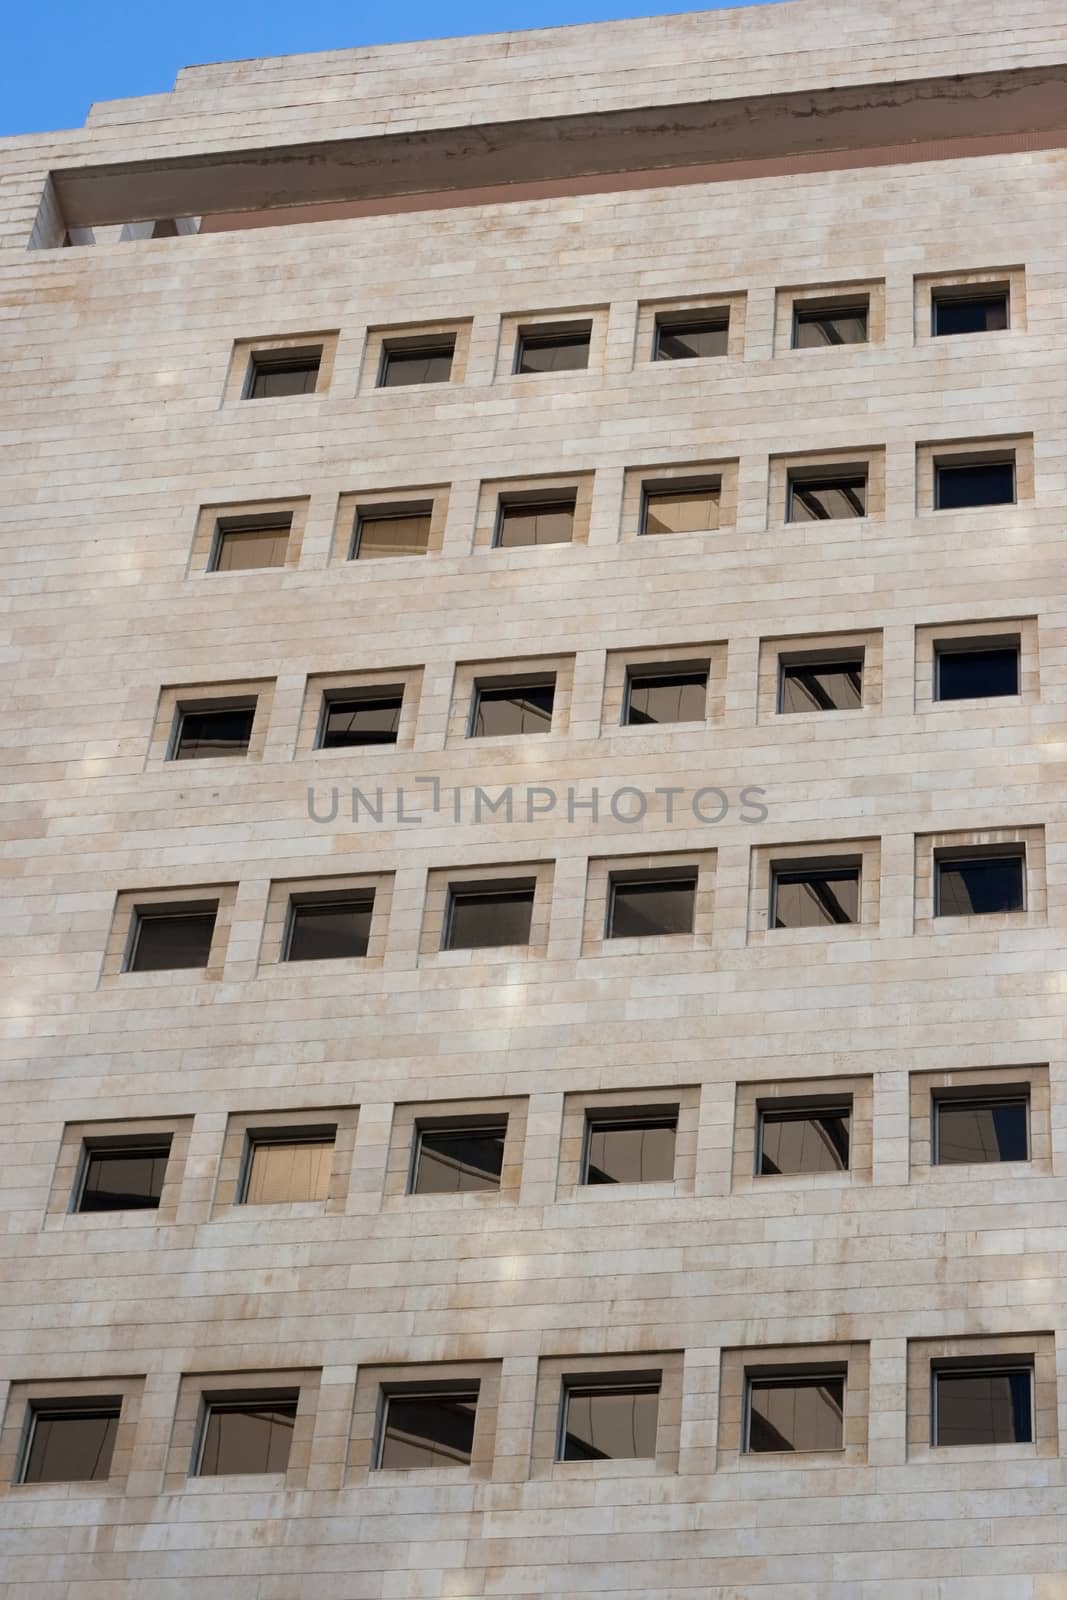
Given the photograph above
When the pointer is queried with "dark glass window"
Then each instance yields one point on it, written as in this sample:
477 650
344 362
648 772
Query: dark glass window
653 905
524 522
479 919
968 674
513 708
690 340
821 686
424 363
681 510
811 897
826 499
993 1406
287 372
634 1149
566 351
362 720
610 1422
980 886
457 1160
171 939
243 549
984 312
71 1443
250 1435
653 697
124 1178
804 1140
816 325
997 1129
983 483
330 930
401 533
225 732
796 1413
282 1168
428 1430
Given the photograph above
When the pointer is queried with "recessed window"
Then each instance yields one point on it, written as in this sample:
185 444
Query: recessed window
978 311
171 939
692 338
994 1128
425 361
980 885
976 672
803 1139
793 1413
243 544
274 373
527 522
126 1177
636 1148
330 930
983 1405
814 897
283 1167
817 323
638 907
826 497
610 1421
71 1443
681 509
557 350
352 720
974 483
435 1429
478 919
391 533
512 707
250 1434
821 685
656 697
222 731
451 1160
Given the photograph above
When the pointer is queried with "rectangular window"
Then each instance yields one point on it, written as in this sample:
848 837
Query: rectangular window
813 897
243 544
252 1434
435 1429
804 1139
458 1160
126 1177
355 720
638 907
982 311
976 672
393 533
610 1421
983 1406
171 939
329 930
223 732
805 1412
657 697
480 919
630 1149
692 338
982 1130
558 350
982 483
512 707
821 685
272 374
428 361
681 510
817 323
826 498
283 1167
70 1443
981 885
527 522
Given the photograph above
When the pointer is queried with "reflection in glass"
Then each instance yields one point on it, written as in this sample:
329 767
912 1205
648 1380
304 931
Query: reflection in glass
681 510
397 535
526 522
513 709
282 1170
479 920
821 686
361 721
815 897
631 1149
804 1141
428 363
553 352
274 376
826 499
248 1435
686 341
244 549
214 733
651 907
71 1444
842 324
611 1422
989 483
656 697
330 931
171 940
991 1407
458 1160
978 313
977 674
126 1179
980 887
982 1130
428 1430
802 1413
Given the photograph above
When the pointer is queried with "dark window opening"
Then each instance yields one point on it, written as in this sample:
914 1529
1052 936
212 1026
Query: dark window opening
821 685
796 1413
982 483
429 362
330 930
610 1422
428 1430
963 672
638 907
71 1443
564 351
692 339
631 1149
223 732
982 1130
826 499
812 1139
284 1167
813 897
681 510
480 919
126 1177
983 1407
985 311
171 939
817 324
288 372
360 719
459 1160
508 709
529 522
391 533
656 697
980 886
249 1435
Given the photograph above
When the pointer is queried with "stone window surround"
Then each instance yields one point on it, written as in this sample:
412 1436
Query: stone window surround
681 658
738 1365
554 1373
973 452
1013 279
492 491
469 674
974 1083
179 899
929 635
819 646
276 344
409 335
577 1109
864 853
983 1349
194 1394
70 1169
441 880
782 469
242 1127
829 295
685 474
374 1382
603 869
409 1117
965 843
206 532
283 892
416 500
686 308
782 1094
360 685
515 323
18 1420
175 699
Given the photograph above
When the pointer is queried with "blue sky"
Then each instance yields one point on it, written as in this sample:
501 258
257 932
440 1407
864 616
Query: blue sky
86 50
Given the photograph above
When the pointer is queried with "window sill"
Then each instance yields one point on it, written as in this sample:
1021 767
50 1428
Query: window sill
832 933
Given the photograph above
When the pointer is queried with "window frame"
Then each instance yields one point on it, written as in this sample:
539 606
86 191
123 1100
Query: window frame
552 335
500 1123
393 511
627 1117
962 464
267 358
984 645
355 899
818 308
537 502
459 891
969 855
969 294
241 1401
981 1369
650 674
653 489
458 1389
613 1384
266 522
713 320
137 1145
108 1406
140 914
211 708
356 696
786 870
416 345
801 1378
817 478
1019 1094
506 686
654 879
807 1111
276 1138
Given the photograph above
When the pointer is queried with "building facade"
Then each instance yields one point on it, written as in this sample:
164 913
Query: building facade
536 888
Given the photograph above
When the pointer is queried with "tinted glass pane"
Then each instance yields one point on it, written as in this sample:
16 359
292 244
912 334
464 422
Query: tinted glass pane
553 352
611 1424
802 1414
71 1446
667 697
454 1160
684 511
831 687
172 941
477 921
392 536
975 888
678 341
812 899
983 1408
428 1430
977 674
847 325
550 523
804 1141
356 722
638 1150
641 908
329 932
214 733
826 499
124 1180
431 364
525 708
291 1169
990 484
248 1437
975 1131
273 378
977 314
243 550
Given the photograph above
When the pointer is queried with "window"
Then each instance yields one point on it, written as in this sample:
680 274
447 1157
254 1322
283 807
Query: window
796 1412
825 497
243 544
974 483
71 1443
124 1177
803 1139
509 707
251 1433
360 719
983 1405
327 930
638 907
422 361
610 1421
638 1148
432 1429
817 323
453 1160
391 533
821 685
219 731
564 349
162 940
655 697
981 884
990 1128
525 522
682 508
288 1166
983 310
965 671
691 337
812 897
273 373
481 918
